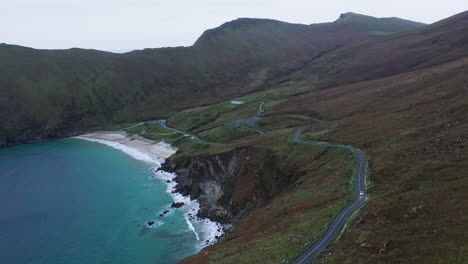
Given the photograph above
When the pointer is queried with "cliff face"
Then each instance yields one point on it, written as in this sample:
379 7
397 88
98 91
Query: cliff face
228 183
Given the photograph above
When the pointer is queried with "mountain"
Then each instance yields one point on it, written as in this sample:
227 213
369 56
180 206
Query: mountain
50 93
382 26
428 46
399 98
397 90
411 127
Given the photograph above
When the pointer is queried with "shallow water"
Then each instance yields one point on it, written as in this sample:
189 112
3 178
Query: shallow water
72 201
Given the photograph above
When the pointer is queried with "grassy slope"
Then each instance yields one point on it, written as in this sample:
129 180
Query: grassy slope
435 44
416 160
412 126
295 215
47 93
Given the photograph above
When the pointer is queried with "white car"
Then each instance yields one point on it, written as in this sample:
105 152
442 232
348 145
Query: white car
361 193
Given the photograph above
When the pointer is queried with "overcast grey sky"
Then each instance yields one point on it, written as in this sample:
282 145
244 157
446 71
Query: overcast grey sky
136 24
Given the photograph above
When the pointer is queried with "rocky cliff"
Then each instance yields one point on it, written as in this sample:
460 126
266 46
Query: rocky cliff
227 184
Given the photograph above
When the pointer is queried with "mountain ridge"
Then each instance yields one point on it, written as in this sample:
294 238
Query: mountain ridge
48 93
400 98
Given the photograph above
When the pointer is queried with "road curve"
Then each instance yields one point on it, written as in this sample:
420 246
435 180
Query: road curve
338 222
251 121
162 122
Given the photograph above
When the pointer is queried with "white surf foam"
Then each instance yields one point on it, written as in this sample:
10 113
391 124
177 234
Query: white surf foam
205 230
190 225
135 153
155 225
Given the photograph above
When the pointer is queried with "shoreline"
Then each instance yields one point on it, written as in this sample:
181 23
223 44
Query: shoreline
206 231
152 151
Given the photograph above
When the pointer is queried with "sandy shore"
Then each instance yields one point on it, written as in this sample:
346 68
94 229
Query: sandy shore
156 150
207 232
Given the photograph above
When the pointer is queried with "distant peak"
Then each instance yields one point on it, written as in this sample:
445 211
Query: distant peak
237 24
350 14
247 21
347 14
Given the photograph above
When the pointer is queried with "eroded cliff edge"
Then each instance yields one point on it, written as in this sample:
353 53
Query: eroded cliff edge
229 183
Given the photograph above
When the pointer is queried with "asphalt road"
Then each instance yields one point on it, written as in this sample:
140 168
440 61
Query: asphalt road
162 122
338 222
251 121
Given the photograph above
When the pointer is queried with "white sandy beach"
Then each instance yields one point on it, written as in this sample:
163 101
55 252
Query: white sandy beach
206 231
155 150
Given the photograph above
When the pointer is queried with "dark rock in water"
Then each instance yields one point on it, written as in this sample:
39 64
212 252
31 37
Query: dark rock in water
150 223
177 205
168 181
164 213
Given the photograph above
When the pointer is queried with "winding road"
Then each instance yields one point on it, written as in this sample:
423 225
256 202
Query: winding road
162 122
139 124
250 121
340 219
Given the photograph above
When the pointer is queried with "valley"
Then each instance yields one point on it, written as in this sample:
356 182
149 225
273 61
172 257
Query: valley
328 110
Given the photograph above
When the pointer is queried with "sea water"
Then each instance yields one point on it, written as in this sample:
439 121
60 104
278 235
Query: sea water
74 201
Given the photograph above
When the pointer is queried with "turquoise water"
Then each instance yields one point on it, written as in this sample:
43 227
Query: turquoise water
72 201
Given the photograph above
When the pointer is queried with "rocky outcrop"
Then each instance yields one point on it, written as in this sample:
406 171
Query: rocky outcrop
177 205
164 213
226 184
209 180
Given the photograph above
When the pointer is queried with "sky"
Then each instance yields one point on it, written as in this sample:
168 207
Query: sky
123 25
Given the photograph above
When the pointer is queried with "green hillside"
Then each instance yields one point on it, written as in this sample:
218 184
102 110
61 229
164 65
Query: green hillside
401 99
395 89
50 93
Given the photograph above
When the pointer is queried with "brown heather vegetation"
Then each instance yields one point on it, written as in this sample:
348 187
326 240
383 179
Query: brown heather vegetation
401 98
51 93
412 127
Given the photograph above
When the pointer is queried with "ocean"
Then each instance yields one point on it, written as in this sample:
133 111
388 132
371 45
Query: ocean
74 201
